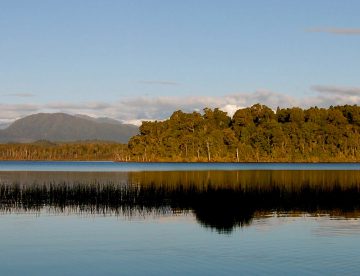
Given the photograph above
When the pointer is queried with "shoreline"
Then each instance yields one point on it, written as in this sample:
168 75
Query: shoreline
181 162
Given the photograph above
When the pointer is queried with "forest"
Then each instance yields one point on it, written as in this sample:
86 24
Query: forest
77 151
253 134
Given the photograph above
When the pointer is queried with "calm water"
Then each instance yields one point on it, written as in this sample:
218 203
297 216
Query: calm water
131 167
94 218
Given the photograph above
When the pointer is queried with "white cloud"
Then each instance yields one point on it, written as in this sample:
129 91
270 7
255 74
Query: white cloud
159 82
138 122
19 95
137 109
335 95
231 109
336 31
337 90
13 111
80 106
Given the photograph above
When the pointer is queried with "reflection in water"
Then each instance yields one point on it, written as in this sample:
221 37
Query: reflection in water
219 199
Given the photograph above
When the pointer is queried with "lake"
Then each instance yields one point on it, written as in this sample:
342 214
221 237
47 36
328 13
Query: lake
93 218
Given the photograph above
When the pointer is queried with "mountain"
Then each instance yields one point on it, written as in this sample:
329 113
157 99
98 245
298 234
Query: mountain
100 119
61 127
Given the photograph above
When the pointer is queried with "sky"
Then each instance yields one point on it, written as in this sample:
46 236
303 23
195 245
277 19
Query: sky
141 60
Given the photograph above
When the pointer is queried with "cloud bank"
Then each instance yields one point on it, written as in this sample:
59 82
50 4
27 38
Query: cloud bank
19 95
134 110
337 90
159 82
336 31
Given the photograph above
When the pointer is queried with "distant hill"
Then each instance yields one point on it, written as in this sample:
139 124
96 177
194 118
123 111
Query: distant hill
4 125
100 119
61 127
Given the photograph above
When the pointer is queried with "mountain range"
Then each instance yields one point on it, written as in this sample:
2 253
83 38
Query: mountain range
61 127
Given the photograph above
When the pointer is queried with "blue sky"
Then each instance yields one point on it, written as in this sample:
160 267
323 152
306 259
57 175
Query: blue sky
134 60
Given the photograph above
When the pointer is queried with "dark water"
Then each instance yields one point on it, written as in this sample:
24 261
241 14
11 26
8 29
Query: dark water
282 219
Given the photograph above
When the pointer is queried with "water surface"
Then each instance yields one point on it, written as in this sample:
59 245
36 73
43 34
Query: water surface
92 166
156 220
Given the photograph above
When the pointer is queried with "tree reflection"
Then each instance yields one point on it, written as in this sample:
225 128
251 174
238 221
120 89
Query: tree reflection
219 200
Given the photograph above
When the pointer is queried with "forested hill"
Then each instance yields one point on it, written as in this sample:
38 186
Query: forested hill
254 134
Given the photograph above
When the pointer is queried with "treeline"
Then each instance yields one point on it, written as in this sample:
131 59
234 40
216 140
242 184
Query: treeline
253 134
44 150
